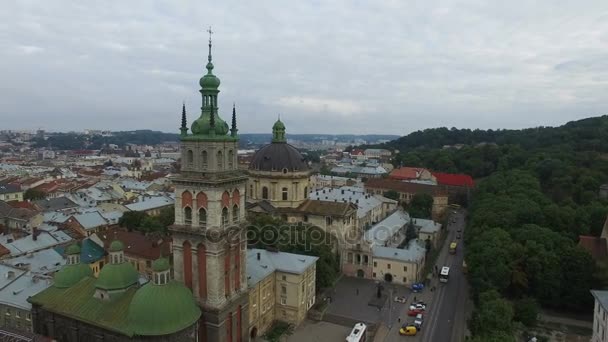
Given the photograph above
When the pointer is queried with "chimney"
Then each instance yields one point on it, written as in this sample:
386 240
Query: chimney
259 255
35 233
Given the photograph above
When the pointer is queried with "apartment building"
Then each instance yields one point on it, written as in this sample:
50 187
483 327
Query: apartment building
281 287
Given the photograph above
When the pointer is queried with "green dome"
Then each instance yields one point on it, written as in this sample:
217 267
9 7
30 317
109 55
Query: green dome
117 276
161 265
72 249
162 309
209 81
71 274
201 126
116 246
278 125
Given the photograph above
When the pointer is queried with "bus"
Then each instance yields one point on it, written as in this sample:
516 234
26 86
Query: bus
358 334
443 276
453 246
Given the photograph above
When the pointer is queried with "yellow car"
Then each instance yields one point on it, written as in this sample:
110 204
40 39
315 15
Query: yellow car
408 330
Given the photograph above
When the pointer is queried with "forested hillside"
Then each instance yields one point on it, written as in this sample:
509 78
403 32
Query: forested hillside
537 191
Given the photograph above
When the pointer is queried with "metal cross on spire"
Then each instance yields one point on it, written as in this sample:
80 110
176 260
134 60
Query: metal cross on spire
210 33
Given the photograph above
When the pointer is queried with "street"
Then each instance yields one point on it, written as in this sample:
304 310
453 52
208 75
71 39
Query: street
445 319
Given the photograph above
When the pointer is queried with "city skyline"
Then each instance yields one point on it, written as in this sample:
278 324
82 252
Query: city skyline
335 68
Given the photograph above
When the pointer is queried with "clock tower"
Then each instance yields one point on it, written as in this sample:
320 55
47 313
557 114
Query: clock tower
209 233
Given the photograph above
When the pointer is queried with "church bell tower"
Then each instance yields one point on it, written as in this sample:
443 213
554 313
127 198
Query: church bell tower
209 233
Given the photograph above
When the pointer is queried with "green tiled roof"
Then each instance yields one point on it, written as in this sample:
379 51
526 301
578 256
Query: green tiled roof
116 246
162 309
77 302
73 249
117 276
160 265
69 275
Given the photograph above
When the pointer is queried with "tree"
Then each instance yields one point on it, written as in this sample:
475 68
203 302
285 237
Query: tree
132 219
493 314
167 216
421 206
410 232
526 311
392 194
33 194
151 224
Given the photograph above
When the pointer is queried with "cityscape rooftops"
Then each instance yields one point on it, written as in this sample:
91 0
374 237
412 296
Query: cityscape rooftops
18 286
347 194
9 188
30 243
57 203
45 261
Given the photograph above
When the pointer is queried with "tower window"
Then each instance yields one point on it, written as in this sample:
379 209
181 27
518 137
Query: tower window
284 170
190 156
235 213
230 159
220 160
188 215
305 192
284 191
265 192
204 158
251 190
225 216
202 217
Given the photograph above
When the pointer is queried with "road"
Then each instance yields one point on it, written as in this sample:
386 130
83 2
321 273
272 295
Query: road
445 319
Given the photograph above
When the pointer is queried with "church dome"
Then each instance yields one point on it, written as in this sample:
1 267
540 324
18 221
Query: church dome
162 306
71 274
278 157
209 81
118 274
202 126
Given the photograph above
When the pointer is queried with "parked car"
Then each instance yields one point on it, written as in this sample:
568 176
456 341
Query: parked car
408 330
419 306
417 287
415 312
400 299
418 321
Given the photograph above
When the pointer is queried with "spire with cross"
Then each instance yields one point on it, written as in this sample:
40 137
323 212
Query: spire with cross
233 129
210 33
184 128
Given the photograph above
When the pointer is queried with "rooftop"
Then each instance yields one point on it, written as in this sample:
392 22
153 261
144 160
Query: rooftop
58 203
601 297
261 263
28 244
19 286
427 226
412 253
45 261
346 194
454 179
147 202
384 230
9 188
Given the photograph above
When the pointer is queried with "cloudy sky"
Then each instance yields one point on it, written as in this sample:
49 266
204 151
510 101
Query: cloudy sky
391 66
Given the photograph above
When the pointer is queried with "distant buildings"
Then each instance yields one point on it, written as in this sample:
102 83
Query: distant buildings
10 192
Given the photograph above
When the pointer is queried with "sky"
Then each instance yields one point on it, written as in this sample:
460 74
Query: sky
358 67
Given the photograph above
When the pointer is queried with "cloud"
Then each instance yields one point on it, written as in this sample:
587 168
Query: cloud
361 67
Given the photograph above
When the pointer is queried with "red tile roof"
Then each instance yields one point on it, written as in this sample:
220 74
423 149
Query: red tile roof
596 246
406 173
454 179
22 204
404 187
138 244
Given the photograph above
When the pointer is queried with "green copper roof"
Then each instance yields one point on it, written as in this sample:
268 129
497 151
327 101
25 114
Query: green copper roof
72 249
69 275
161 265
116 246
77 302
117 276
162 309
278 132
202 126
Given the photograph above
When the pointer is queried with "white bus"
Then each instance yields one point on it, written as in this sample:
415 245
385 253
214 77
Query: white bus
445 273
358 334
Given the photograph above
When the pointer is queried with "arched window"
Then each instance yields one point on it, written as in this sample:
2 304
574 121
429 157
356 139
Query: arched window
190 156
235 213
305 192
188 215
225 216
265 192
284 191
220 160
204 158
202 217
230 159
251 190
